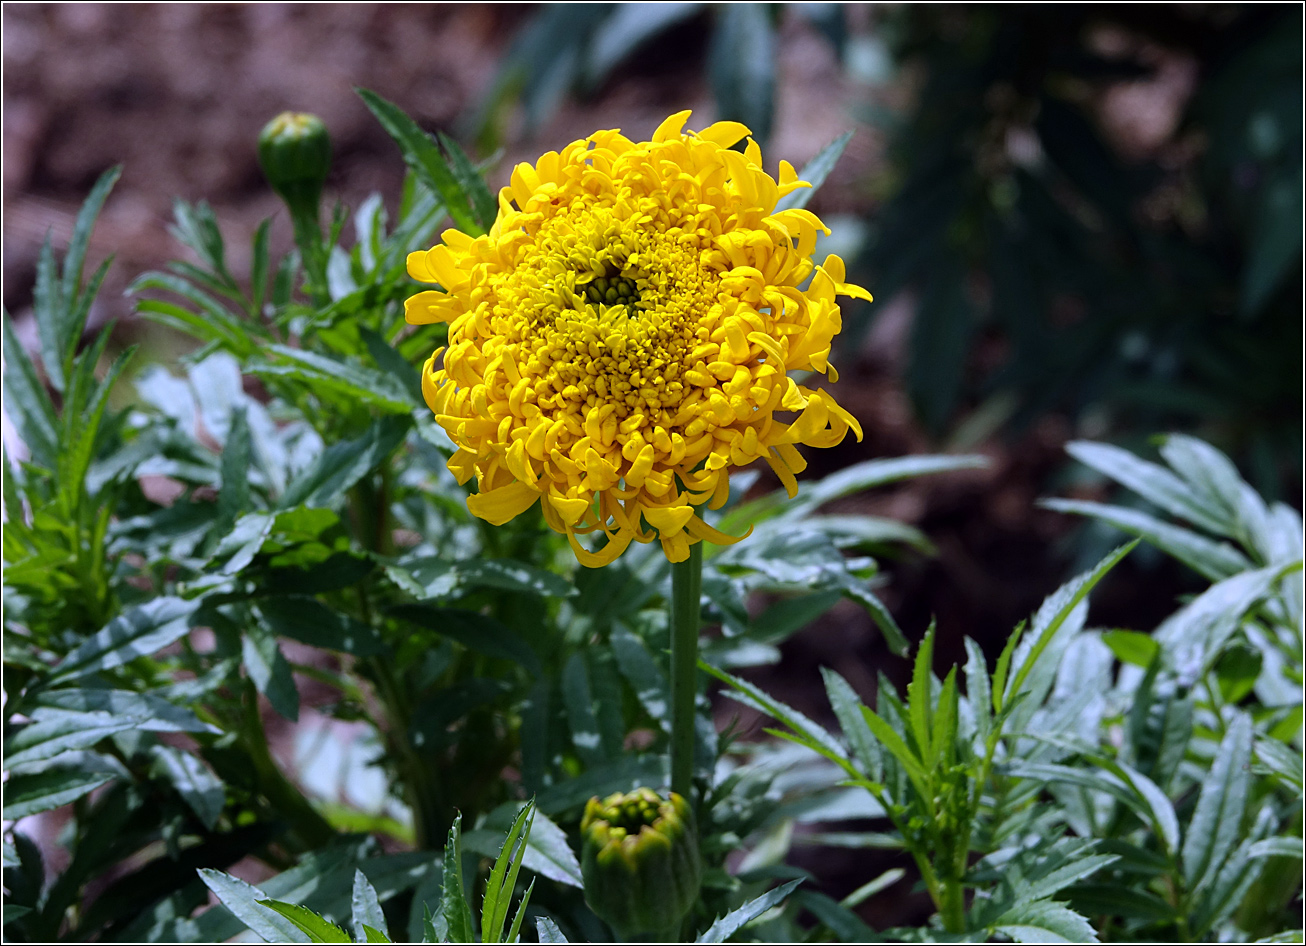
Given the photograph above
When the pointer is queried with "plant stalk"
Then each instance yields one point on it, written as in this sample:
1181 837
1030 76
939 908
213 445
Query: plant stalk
686 589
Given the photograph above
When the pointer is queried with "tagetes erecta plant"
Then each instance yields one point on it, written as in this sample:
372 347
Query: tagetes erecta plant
622 337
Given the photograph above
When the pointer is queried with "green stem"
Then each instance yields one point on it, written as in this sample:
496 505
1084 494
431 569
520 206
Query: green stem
953 908
285 798
686 589
312 251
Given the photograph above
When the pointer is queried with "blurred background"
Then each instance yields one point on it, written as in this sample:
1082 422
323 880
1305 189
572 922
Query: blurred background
1078 221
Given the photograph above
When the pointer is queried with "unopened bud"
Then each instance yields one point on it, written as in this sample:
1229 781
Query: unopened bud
294 150
640 862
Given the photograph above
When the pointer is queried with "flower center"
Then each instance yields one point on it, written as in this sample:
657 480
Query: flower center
615 290
605 306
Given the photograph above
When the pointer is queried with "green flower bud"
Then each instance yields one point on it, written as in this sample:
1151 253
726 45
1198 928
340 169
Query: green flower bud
640 862
294 150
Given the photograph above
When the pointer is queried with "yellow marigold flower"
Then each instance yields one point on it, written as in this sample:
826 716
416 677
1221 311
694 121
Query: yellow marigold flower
621 337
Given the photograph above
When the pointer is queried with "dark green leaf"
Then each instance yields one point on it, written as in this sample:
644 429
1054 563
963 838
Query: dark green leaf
478 632
59 731
269 670
310 622
30 794
581 714
137 632
199 787
233 498
630 26
741 66
643 674
343 464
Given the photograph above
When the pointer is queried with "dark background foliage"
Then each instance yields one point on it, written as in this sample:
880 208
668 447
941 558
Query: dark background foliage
1077 220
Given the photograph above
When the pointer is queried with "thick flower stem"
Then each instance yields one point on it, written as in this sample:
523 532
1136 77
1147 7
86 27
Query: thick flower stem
686 588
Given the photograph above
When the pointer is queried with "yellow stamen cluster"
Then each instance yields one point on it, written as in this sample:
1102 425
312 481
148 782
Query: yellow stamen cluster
621 337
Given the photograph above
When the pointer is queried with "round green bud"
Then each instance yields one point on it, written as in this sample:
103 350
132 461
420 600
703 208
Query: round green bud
294 151
640 862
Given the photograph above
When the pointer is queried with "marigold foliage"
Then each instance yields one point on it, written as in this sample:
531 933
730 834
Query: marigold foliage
622 336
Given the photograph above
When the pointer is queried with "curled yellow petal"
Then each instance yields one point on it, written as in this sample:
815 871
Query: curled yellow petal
500 505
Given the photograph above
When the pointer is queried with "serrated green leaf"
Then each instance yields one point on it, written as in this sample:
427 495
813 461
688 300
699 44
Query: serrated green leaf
26 401
454 907
356 383
1120 900
422 155
317 929
503 877
848 709
889 738
48 307
1045 922
548 852
815 172
919 698
1217 820
1194 636
548 930
243 900
514 931
978 693
750 695
736 919
1054 614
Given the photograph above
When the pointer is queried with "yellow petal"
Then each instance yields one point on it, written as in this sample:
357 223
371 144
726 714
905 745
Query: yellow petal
668 520
704 532
570 509
617 544
671 127
724 134
500 505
